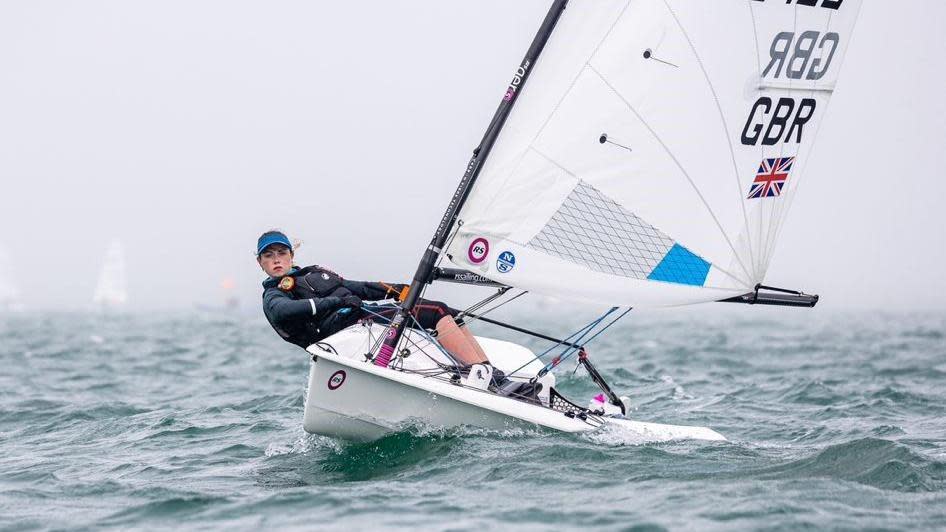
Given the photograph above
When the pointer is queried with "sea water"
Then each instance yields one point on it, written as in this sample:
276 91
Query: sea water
835 420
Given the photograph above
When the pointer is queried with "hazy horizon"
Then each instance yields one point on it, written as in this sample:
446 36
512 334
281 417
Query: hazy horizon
187 129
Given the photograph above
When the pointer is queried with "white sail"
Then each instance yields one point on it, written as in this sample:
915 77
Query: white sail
111 290
9 294
653 155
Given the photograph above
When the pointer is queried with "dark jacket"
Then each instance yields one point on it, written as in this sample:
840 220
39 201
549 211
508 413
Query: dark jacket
306 310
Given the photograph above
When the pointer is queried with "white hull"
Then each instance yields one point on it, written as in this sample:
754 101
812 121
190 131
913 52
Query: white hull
352 399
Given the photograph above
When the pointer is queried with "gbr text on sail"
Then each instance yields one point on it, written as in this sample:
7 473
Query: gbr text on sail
804 56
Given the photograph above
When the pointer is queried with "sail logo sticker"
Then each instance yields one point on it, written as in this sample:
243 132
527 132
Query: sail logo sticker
336 380
771 178
506 262
479 250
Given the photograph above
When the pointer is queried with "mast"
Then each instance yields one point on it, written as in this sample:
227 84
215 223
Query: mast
428 261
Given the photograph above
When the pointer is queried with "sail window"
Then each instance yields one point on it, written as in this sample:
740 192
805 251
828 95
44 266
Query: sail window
594 231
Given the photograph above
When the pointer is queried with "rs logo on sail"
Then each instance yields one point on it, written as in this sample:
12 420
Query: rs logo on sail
478 251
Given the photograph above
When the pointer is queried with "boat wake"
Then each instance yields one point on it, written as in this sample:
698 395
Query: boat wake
617 436
302 445
620 432
424 430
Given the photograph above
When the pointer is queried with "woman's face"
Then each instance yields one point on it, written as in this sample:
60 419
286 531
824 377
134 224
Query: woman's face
276 260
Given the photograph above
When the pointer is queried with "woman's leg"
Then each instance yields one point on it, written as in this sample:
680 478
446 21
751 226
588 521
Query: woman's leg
459 342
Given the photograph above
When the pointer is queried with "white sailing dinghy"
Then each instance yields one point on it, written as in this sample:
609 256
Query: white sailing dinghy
111 291
650 161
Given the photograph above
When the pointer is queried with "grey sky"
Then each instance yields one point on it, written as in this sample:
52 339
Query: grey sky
187 128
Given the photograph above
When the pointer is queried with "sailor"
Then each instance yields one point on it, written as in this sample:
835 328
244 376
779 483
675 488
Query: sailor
307 305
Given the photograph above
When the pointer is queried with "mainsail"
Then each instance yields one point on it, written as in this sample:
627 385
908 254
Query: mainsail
111 290
655 152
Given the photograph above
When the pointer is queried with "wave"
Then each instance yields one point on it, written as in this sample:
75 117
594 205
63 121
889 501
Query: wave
813 392
879 463
924 332
170 505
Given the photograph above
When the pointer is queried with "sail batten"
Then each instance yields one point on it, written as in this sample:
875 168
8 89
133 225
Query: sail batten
586 65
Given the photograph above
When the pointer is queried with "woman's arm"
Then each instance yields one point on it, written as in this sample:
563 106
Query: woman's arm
372 291
280 308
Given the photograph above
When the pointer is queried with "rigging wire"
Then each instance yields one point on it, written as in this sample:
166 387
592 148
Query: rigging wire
442 369
423 332
433 339
582 331
571 349
406 336
606 327
485 301
474 308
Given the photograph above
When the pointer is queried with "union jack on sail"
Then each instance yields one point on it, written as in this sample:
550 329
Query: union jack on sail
771 177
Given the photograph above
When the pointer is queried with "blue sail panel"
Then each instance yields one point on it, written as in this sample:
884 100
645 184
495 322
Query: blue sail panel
681 266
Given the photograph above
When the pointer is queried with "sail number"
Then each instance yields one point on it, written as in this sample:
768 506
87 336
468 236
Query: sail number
827 4
801 60
784 117
807 56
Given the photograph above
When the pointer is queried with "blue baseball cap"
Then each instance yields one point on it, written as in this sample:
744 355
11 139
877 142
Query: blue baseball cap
269 238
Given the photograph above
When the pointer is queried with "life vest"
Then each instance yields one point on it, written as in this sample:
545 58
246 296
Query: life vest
317 282
311 282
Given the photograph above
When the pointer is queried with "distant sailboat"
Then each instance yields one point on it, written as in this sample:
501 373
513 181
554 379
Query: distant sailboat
111 291
9 294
